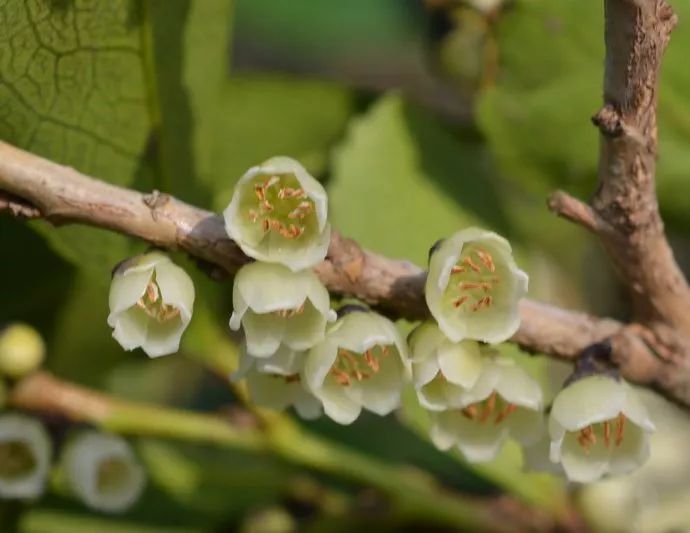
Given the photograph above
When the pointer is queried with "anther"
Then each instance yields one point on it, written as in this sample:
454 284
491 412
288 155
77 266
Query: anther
620 428
468 261
485 257
371 360
260 192
253 215
266 225
457 269
266 206
270 182
469 285
152 292
607 434
292 378
470 411
458 302
588 432
489 407
507 411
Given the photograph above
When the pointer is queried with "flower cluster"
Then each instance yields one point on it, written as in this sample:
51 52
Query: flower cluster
298 352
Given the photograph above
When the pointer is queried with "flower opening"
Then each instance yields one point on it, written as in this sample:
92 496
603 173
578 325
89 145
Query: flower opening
25 455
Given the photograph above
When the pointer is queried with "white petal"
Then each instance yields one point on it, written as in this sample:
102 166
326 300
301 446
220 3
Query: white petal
442 435
633 451
381 392
635 410
307 406
127 288
270 391
337 405
517 386
587 401
268 287
176 287
263 333
525 425
424 370
424 341
580 466
304 330
163 338
129 327
284 362
318 363
461 363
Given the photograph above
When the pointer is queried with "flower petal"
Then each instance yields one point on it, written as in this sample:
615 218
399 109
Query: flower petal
461 363
587 401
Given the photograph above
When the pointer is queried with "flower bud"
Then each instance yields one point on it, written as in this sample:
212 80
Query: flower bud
278 214
25 455
103 471
21 350
474 286
276 382
442 370
151 302
277 306
599 426
361 363
504 402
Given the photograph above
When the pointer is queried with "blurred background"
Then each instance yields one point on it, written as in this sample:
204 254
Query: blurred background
419 117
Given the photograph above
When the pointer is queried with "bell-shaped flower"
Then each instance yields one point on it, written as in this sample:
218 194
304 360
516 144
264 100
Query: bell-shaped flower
279 214
276 382
442 370
362 363
151 301
277 306
504 402
103 471
25 456
599 426
474 286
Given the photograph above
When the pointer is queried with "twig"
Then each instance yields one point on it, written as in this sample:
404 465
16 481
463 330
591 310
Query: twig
63 195
414 494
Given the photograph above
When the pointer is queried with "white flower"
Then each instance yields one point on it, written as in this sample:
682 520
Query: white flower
151 301
474 286
599 426
278 306
278 213
103 472
362 363
442 370
25 455
21 350
276 382
505 402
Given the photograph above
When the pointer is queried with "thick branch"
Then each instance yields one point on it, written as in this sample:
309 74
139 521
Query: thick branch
637 33
63 195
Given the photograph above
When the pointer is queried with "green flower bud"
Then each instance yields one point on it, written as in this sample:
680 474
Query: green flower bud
25 455
504 402
103 471
599 426
21 350
277 306
361 363
151 302
474 287
278 214
442 370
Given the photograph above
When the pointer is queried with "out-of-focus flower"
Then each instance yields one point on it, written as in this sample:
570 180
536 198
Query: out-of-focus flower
442 370
278 306
598 426
505 402
474 286
103 471
25 455
151 302
362 363
278 213
21 350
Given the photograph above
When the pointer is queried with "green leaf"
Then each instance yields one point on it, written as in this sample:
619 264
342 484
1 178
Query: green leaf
261 116
401 181
537 116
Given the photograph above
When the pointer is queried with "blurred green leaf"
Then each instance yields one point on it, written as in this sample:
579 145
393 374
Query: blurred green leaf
401 181
263 115
536 116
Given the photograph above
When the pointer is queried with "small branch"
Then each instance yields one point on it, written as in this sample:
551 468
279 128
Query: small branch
63 195
414 494
637 34
568 207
